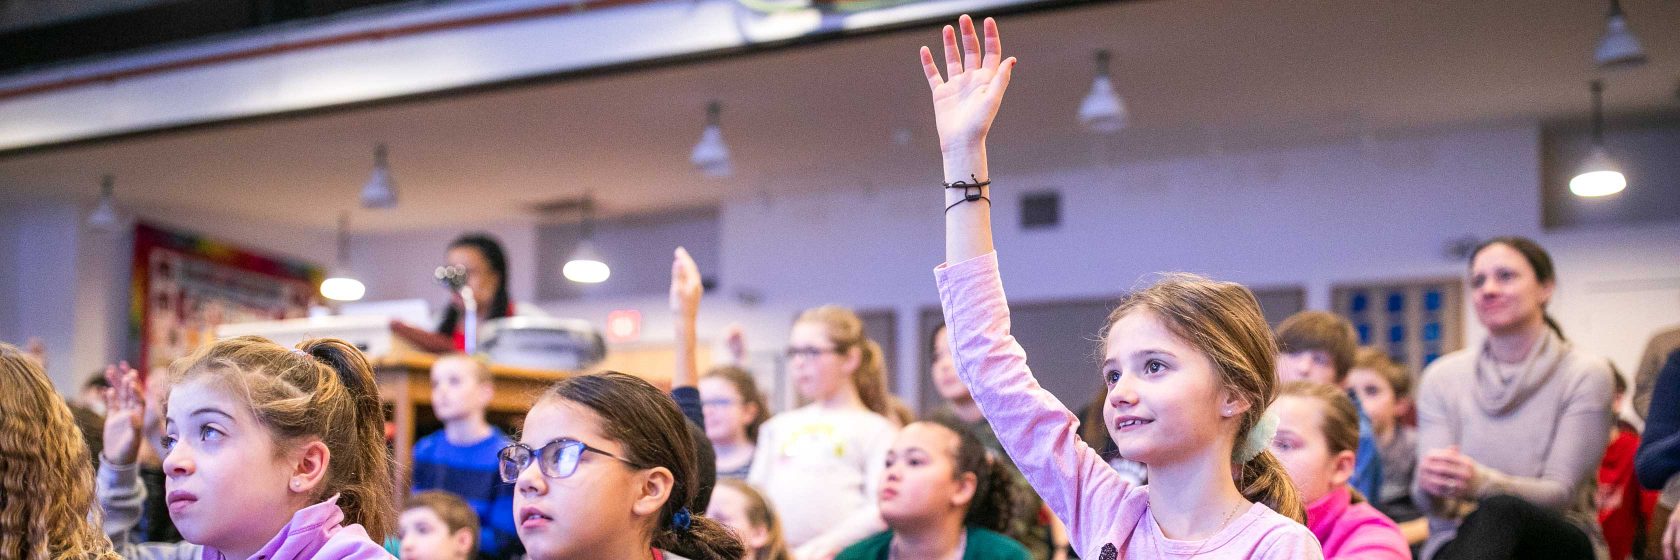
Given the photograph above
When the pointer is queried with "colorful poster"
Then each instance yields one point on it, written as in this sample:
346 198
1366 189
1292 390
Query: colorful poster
185 285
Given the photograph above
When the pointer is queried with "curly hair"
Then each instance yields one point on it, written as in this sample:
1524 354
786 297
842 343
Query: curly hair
46 474
993 505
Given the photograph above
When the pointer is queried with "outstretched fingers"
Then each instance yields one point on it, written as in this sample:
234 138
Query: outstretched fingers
994 45
970 43
953 58
930 69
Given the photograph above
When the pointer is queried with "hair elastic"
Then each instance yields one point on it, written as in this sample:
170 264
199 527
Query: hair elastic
1258 438
682 519
971 191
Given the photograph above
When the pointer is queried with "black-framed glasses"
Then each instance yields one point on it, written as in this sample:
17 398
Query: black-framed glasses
557 459
808 352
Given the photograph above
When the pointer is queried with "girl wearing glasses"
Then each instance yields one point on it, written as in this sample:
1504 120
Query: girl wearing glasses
270 452
605 469
819 464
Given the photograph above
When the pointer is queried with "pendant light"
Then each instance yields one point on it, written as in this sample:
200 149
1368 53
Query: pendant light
1102 111
104 217
379 193
341 286
1618 48
585 265
710 154
1598 174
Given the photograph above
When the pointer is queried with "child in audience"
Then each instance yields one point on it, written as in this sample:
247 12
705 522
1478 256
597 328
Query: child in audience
46 476
437 525
818 464
1318 428
1031 522
461 458
744 511
1385 395
1189 363
606 468
1319 346
270 452
943 496
1624 509
735 409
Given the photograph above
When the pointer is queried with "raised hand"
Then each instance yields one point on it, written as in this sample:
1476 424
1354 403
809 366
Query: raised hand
966 99
685 284
125 409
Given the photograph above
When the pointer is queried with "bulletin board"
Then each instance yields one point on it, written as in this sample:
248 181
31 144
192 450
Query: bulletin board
185 285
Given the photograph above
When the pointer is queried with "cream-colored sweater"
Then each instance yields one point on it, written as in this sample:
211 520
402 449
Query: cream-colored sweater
1537 429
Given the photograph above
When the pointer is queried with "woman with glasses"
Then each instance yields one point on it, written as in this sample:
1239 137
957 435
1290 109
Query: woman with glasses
606 468
819 464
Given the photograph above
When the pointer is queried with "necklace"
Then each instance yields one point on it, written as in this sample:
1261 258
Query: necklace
1222 524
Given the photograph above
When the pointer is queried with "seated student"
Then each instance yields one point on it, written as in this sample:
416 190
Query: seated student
1385 396
46 477
744 511
735 409
1319 346
944 497
1318 428
270 451
1030 522
606 468
437 525
1624 508
461 458
1189 363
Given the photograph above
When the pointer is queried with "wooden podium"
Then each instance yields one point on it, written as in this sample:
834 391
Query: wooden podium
405 385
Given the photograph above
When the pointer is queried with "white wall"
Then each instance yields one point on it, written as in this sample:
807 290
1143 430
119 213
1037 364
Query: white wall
1311 216
69 285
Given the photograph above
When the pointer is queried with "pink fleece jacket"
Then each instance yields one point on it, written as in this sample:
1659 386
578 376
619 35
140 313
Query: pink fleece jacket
1349 530
1107 517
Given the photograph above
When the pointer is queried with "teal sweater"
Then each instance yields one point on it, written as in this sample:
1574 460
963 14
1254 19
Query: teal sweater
982 545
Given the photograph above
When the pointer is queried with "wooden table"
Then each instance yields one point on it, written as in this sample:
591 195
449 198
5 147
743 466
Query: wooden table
405 385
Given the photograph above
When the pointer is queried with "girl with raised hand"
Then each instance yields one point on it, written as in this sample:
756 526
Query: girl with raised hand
607 468
944 497
819 463
1189 363
46 475
1317 439
271 452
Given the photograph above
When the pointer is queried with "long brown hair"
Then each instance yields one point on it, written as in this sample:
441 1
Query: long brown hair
46 474
1223 320
761 514
654 433
845 330
324 389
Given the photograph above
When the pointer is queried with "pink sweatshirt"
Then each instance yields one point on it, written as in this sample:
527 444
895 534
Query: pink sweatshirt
1357 531
1107 518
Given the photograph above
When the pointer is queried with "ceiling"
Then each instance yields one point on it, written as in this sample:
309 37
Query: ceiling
854 114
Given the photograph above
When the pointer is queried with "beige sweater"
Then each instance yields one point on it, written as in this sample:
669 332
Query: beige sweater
1538 430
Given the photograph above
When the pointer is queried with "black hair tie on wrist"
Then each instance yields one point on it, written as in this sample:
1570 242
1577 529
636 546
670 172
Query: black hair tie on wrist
971 191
